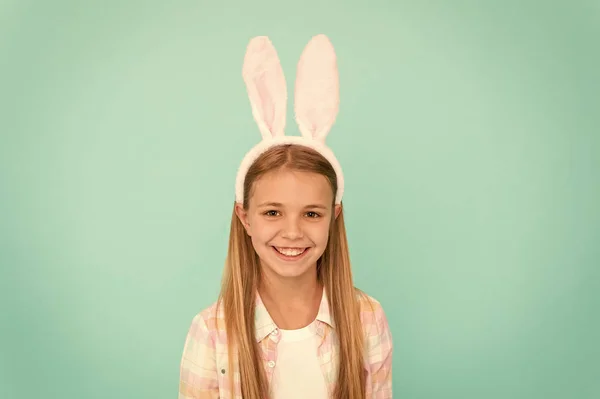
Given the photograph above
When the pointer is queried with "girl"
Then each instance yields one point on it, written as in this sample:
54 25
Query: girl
289 322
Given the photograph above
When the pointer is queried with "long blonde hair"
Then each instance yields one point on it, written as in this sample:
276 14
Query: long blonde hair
242 275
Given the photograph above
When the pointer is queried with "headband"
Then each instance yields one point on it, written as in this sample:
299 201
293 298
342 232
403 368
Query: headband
315 105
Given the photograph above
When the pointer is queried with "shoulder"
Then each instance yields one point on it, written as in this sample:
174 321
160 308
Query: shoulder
208 323
372 315
201 356
369 306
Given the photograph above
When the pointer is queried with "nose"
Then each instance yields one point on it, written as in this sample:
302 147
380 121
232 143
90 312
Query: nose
292 229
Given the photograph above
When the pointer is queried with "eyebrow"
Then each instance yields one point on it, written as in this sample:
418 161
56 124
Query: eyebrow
280 205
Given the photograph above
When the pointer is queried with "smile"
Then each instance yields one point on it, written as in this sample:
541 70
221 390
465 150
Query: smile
290 253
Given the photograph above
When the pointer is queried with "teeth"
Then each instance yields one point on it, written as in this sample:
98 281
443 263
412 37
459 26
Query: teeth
290 251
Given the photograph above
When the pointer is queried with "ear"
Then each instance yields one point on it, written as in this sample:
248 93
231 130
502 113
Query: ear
337 210
317 89
266 86
242 214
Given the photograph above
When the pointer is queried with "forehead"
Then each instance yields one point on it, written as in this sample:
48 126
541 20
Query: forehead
292 188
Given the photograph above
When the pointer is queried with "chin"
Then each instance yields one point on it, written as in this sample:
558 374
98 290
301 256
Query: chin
289 273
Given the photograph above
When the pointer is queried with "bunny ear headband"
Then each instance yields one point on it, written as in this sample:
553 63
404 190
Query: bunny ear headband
315 105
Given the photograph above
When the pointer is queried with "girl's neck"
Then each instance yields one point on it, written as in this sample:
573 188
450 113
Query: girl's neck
292 304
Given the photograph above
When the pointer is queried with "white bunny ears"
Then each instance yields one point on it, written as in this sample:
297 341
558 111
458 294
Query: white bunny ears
316 101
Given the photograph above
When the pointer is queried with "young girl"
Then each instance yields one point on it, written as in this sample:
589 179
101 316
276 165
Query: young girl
289 322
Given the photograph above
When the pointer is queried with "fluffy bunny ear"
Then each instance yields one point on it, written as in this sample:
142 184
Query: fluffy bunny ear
266 86
317 89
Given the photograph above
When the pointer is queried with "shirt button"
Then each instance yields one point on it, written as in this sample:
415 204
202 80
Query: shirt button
271 364
275 332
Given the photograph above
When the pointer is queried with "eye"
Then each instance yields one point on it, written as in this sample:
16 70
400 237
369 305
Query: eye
313 215
270 213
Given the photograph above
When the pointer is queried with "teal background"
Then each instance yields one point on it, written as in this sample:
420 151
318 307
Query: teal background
469 137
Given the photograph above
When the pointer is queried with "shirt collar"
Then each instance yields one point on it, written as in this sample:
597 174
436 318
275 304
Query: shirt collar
264 324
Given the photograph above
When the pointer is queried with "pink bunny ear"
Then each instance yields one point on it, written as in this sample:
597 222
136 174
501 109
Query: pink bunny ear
266 86
317 89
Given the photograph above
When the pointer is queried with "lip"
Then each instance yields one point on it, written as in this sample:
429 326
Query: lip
290 258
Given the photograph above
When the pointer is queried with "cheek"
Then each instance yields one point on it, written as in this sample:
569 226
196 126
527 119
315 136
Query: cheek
320 234
262 232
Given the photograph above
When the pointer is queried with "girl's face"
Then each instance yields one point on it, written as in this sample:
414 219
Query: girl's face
288 221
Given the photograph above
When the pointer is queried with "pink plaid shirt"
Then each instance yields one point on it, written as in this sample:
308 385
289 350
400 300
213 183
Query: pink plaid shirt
204 371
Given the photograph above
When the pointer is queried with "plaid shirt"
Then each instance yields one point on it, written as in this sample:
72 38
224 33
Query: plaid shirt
204 370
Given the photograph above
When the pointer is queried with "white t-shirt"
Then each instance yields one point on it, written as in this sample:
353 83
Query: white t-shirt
297 373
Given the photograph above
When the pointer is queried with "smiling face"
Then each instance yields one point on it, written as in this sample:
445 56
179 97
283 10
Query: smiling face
288 219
